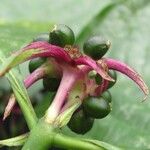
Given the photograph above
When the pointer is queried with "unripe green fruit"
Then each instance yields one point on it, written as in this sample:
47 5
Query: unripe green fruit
61 36
96 107
80 123
96 47
98 79
107 96
36 63
42 37
112 74
51 84
92 74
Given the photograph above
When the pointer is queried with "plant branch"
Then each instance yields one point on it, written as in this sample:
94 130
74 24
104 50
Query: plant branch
74 143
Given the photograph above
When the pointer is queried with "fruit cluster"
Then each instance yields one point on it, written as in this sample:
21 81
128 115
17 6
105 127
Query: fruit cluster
79 79
93 107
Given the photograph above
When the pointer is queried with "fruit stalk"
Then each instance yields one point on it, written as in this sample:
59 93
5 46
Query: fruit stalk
68 79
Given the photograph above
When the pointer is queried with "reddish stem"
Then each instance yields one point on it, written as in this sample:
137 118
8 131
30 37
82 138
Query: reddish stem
70 75
10 106
35 76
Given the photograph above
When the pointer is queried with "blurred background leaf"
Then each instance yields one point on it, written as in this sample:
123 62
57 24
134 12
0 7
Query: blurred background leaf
125 23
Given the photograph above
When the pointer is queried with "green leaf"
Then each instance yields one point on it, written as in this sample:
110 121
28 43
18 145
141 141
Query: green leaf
16 141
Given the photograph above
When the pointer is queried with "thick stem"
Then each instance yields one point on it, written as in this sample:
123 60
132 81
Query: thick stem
40 138
67 82
74 143
44 136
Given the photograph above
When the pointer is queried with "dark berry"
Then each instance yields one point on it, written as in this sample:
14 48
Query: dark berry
96 107
112 74
98 79
61 36
51 84
107 95
35 63
80 123
96 47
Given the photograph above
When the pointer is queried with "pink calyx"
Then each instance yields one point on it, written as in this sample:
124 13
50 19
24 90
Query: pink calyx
125 69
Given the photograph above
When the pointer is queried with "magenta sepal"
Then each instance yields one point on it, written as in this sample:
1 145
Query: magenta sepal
85 60
48 50
128 71
60 53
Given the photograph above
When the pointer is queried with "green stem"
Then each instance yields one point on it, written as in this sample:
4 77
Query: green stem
41 137
28 112
73 143
68 80
45 136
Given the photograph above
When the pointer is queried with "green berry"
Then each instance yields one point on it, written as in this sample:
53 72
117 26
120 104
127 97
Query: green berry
96 107
98 79
61 36
107 96
92 74
112 74
42 37
51 84
80 123
96 47
35 63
